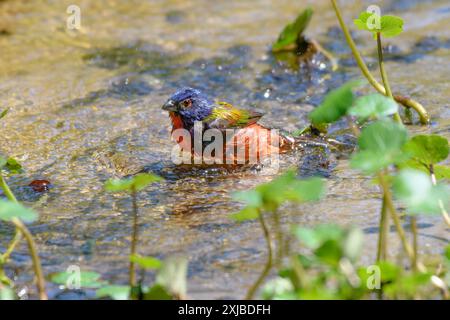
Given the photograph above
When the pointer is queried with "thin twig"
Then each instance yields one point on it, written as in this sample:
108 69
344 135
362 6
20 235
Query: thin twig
14 242
440 203
383 234
134 238
395 218
268 266
415 242
384 76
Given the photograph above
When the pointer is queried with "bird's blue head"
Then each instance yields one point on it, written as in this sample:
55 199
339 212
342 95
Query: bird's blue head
190 104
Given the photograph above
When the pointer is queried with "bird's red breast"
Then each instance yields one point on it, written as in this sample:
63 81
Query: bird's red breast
247 145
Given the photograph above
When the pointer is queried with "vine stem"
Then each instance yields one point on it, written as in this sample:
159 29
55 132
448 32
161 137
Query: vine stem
400 231
384 77
134 238
407 102
441 204
251 292
383 235
279 238
415 242
20 226
15 241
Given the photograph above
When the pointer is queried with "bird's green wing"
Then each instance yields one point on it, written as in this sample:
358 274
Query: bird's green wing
224 116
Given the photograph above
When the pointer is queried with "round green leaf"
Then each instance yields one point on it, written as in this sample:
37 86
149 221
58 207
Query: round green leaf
288 37
428 149
250 198
415 189
11 165
389 26
10 210
87 279
335 104
373 106
380 145
114 292
137 182
248 213
4 113
146 262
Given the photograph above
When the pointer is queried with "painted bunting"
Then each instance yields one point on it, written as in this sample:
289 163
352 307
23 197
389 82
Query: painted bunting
239 128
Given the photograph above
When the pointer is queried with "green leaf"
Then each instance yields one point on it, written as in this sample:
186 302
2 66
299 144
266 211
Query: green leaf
447 252
330 252
427 149
269 196
114 292
248 213
157 292
137 182
353 243
415 189
172 276
7 293
4 113
287 39
361 22
442 172
86 279
2 162
373 106
380 145
389 272
278 288
250 198
335 104
311 189
10 210
407 286
146 262
273 193
389 26
315 237
11 165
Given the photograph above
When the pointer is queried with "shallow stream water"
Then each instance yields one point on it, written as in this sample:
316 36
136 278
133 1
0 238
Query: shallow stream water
86 106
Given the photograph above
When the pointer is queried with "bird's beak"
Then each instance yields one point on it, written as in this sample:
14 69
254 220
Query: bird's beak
169 106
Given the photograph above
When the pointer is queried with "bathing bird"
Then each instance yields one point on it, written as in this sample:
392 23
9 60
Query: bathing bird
238 137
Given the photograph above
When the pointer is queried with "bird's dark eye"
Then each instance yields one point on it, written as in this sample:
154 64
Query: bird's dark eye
187 103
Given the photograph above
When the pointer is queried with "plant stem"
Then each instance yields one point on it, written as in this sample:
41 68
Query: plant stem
134 237
384 77
327 54
383 235
415 243
279 237
251 292
8 193
441 204
34 257
394 216
407 102
31 244
14 242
